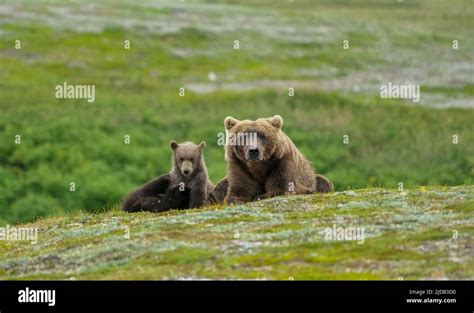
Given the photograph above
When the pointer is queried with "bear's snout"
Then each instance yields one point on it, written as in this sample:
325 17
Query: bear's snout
254 154
186 168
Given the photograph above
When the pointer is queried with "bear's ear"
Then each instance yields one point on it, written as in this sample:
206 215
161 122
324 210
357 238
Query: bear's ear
276 121
174 145
202 145
230 122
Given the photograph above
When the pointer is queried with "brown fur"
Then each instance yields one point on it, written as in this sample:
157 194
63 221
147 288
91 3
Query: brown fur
278 167
176 190
157 196
221 190
188 156
323 184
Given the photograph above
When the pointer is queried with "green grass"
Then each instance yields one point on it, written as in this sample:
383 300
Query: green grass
283 44
407 235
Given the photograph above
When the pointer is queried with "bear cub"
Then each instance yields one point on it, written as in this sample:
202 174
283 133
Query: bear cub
186 186
190 171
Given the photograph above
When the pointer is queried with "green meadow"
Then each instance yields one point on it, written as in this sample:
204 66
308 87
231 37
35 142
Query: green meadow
192 45
403 170
423 233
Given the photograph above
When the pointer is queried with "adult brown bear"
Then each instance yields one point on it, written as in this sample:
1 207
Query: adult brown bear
270 165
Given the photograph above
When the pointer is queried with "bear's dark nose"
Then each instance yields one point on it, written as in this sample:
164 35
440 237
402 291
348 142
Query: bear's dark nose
186 172
253 153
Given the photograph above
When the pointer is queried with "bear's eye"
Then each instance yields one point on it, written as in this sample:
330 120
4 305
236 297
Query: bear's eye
181 159
191 159
261 136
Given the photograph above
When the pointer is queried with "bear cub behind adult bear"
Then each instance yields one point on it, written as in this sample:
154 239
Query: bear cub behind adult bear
186 186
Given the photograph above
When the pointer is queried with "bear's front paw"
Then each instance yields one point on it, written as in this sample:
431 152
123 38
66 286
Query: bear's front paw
178 188
236 200
174 187
268 195
261 197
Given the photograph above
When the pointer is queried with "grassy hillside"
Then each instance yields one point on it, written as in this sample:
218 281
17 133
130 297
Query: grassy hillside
424 233
175 45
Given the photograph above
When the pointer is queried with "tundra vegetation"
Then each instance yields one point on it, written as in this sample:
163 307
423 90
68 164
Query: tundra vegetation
167 70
